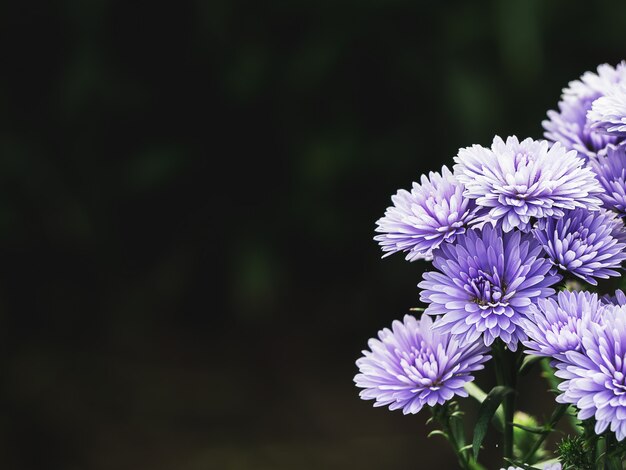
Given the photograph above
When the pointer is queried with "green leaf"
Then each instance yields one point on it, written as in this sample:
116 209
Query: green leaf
438 432
487 410
532 429
475 392
479 395
557 414
527 364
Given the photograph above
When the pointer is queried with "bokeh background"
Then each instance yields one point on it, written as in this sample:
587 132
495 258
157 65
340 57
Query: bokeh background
188 192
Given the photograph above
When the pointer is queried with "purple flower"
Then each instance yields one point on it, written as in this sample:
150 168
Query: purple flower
485 284
412 365
552 466
518 181
570 125
585 244
595 376
608 113
434 212
618 299
610 171
555 325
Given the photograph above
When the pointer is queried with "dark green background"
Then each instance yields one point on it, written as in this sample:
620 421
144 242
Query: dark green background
188 193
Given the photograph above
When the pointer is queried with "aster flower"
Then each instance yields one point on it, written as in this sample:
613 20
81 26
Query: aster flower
610 170
518 181
618 299
485 284
585 244
434 212
555 325
552 466
570 126
608 113
595 84
412 365
595 377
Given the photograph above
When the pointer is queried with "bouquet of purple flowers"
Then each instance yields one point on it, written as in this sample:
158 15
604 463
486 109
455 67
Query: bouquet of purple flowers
518 234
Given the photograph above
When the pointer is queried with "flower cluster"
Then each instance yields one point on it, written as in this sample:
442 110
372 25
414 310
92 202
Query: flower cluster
503 228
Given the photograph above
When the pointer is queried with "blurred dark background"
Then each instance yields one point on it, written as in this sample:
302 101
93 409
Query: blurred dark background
188 193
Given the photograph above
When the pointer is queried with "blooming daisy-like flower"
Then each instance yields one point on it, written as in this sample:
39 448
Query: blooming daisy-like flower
412 365
608 113
485 284
595 376
554 326
434 212
520 181
595 84
570 126
610 170
586 244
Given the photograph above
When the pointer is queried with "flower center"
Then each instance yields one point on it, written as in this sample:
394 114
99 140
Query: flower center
521 159
422 366
576 241
486 290
421 354
618 383
565 334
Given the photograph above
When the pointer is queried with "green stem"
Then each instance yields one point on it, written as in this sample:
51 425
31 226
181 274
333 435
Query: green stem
557 414
457 449
547 372
531 453
453 431
592 441
598 453
612 461
507 365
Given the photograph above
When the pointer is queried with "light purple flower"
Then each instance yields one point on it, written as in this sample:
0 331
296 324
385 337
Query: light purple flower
585 244
412 365
570 126
520 181
485 284
595 377
554 326
551 466
608 113
610 170
618 299
595 84
434 212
